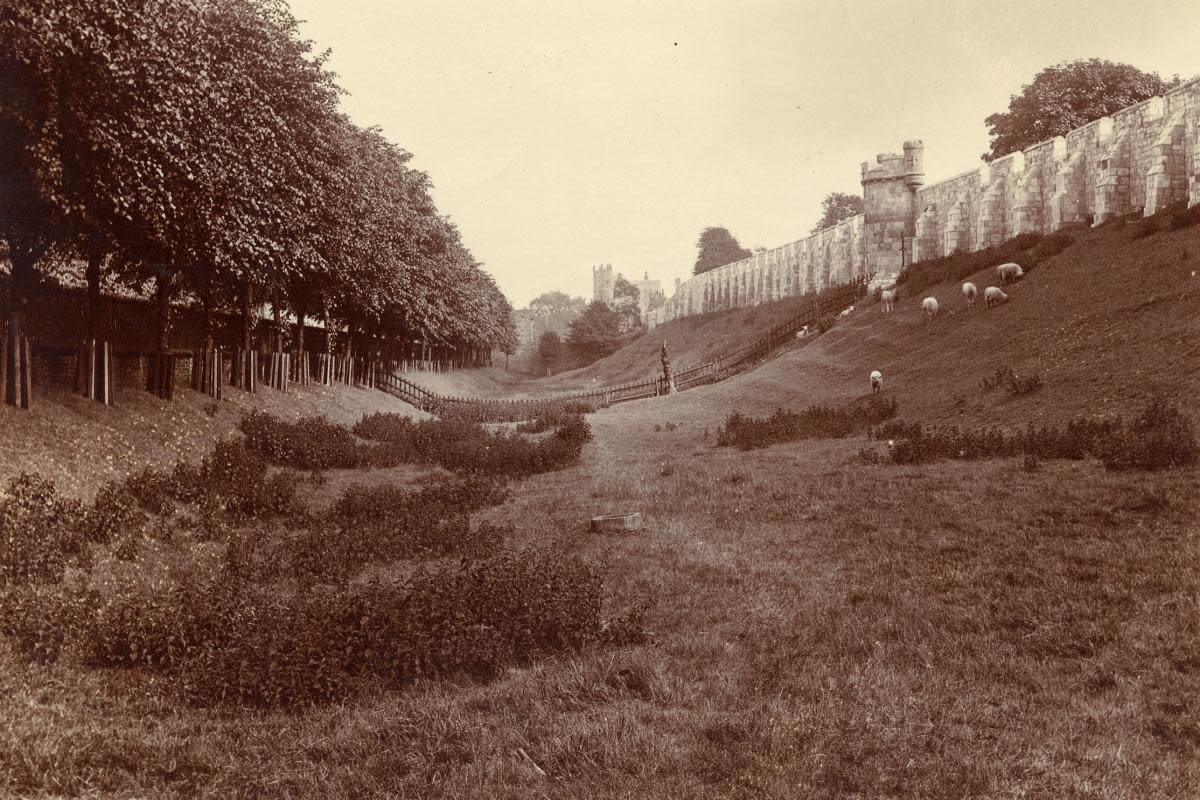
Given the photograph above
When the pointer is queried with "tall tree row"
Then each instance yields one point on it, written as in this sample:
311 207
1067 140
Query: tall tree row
194 148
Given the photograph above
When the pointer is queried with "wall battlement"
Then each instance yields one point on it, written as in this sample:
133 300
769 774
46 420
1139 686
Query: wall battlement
1142 158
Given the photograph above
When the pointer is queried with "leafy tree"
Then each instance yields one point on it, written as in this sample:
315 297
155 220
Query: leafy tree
716 248
1064 97
627 303
838 206
549 350
596 332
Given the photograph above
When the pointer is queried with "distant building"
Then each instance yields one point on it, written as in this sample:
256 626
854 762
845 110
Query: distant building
602 284
646 290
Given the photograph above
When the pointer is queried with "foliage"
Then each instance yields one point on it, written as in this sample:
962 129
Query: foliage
1185 217
836 207
961 265
40 532
467 447
597 332
557 302
264 187
716 248
309 443
626 302
1162 437
1066 96
1047 247
1016 385
914 443
814 422
549 350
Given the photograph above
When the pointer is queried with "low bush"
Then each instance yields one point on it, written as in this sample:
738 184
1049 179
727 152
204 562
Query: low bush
40 531
514 410
1144 228
1185 217
468 447
232 478
960 265
1160 438
914 443
814 422
1015 384
309 443
1048 246
226 641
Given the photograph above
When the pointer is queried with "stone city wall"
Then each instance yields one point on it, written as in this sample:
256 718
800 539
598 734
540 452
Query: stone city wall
1142 158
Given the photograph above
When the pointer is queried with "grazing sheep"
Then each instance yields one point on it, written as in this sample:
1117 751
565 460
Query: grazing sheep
846 312
1009 273
994 296
888 298
876 381
930 306
970 292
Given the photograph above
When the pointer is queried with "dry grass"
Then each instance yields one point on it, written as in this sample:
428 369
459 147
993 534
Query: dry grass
820 628
80 444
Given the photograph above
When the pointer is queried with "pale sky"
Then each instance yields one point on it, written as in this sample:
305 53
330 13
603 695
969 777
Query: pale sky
562 134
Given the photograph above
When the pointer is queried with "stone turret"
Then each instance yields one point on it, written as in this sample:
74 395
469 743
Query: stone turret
889 206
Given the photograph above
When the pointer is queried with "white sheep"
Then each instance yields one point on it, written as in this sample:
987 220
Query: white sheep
846 312
994 296
888 297
1009 273
930 306
970 292
876 381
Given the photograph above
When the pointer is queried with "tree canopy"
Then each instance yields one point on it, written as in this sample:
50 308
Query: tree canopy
596 332
1065 96
549 350
836 207
716 248
199 143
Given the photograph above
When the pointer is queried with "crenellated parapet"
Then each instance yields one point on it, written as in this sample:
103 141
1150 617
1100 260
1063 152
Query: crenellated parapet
1142 158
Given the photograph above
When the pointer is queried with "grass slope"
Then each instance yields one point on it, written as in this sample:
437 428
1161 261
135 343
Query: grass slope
1105 324
80 444
821 628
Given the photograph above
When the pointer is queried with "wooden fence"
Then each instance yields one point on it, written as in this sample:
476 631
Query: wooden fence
722 367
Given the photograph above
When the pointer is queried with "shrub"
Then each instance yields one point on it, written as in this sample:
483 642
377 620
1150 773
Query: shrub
1144 228
914 443
310 443
1020 386
40 619
1160 438
961 264
825 323
468 447
1016 385
1049 246
40 532
1185 217
813 422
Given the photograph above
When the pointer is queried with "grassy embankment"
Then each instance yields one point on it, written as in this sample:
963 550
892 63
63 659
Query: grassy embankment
822 628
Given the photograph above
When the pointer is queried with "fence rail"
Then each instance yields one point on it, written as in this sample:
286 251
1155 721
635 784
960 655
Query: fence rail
724 366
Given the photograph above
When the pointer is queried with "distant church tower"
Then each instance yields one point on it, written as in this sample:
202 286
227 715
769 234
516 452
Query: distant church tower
602 284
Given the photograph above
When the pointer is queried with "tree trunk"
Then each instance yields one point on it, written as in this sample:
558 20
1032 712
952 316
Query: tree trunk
247 316
277 343
328 328
162 292
95 266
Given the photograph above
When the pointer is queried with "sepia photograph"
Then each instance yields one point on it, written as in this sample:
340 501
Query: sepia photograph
599 400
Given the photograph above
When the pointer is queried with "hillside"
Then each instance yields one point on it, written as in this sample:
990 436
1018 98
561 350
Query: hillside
80 444
1105 324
